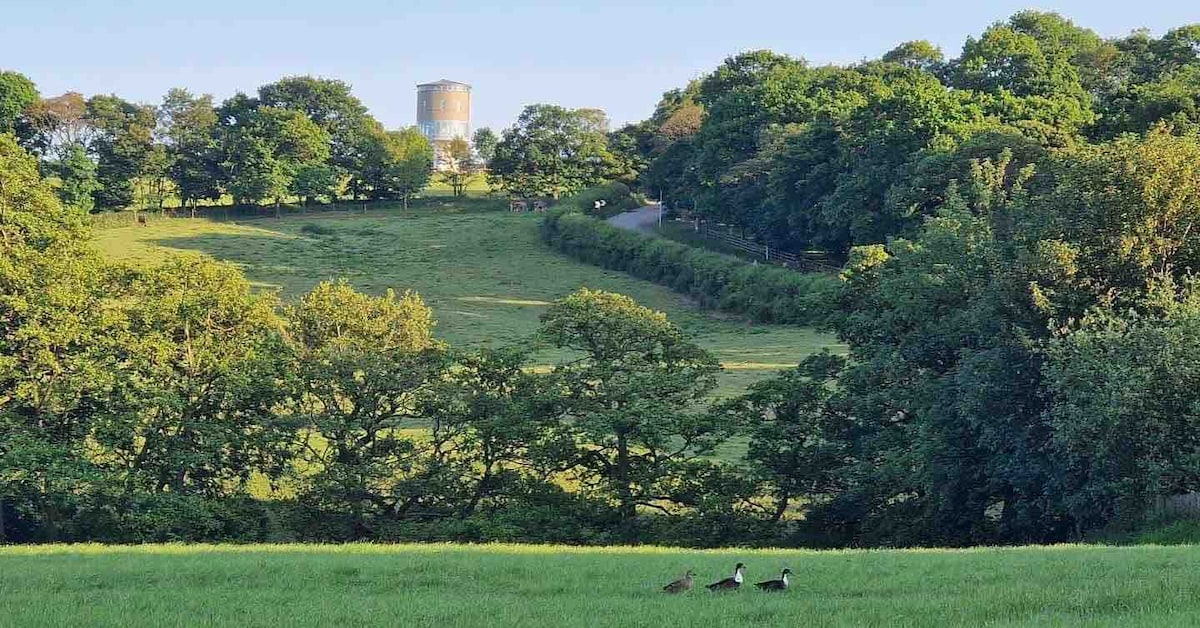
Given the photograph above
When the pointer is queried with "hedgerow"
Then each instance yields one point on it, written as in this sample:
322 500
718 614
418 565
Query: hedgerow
765 294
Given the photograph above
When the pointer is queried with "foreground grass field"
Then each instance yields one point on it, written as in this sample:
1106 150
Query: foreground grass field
484 273
530 586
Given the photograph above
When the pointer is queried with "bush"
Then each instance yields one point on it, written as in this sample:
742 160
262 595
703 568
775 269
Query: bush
617 196
170 517
766 294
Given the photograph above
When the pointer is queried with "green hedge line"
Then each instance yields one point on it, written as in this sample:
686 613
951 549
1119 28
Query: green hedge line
617 196
766 294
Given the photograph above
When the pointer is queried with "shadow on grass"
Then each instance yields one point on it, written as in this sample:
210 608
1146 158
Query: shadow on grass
283 260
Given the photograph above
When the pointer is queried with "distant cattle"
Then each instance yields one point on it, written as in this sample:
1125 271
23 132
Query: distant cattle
522 205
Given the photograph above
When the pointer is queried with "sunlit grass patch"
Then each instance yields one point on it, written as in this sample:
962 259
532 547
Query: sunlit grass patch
486 275
504 301
542 586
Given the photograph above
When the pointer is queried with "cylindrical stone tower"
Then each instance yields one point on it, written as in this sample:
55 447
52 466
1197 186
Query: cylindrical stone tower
444 113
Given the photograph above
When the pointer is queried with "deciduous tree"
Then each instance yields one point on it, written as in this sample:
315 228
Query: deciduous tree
631 400
394 164
484 142
197 370
17 95
799 437
76 173
188 126
53 315
362 363
460 166
122 144
551 151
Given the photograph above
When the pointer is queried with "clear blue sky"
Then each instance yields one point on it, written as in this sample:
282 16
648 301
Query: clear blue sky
619 56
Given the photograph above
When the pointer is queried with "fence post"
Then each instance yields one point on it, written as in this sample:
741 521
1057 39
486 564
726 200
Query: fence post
767 248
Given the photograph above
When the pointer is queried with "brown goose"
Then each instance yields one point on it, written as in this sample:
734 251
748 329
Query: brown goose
731 583
682 584
776 585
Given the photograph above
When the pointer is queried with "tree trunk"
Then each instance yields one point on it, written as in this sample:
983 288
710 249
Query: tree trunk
484 482
626 506
3 531
782 506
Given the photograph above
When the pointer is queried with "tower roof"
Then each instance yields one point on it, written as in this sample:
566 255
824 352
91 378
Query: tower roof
443 82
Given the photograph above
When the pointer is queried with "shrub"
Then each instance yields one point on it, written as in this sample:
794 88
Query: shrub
617 196
767 294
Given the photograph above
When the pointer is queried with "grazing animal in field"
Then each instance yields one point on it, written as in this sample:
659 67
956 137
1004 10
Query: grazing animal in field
731 583
681 585
775 585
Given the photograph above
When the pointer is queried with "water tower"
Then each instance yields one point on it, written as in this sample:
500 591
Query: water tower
444 113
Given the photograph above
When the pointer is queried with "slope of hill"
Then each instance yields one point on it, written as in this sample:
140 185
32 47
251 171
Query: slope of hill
484 273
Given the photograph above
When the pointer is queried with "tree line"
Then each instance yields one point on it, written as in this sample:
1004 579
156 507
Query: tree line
301 138
832 157
1018 296
171 401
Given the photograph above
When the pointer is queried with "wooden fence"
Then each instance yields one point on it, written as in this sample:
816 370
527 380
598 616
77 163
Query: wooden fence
808 262
1181 506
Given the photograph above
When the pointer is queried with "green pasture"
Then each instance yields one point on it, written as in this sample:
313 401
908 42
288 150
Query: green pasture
536 586
485 273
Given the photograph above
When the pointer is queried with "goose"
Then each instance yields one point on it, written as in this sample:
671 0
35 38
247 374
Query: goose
682 584
731 583
776 585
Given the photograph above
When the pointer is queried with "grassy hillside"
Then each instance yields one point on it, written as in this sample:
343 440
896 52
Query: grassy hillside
484 273
444 585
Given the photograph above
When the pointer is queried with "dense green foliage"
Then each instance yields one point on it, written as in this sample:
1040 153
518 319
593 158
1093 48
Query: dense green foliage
1018 300
767 294
122 141
616 197
160 401
484 142
17 95
630 403
299 138
551 152
833 157
1018 293
460 166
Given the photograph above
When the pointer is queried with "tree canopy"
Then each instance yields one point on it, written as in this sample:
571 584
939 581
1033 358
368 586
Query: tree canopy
552 151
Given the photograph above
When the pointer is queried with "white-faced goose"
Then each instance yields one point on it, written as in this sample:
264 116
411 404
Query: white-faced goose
682 584
776 585
731 583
